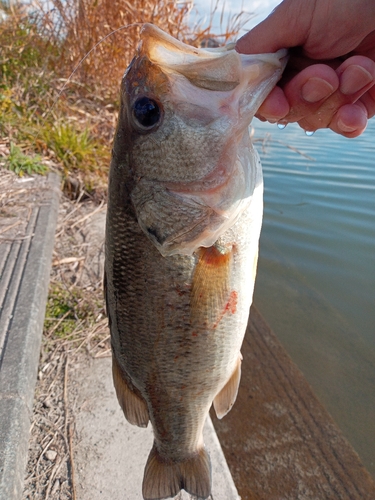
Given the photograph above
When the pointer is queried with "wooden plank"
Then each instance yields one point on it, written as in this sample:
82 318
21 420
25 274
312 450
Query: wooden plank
279 441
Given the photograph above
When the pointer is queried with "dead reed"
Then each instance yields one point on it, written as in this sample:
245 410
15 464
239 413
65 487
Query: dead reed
111 28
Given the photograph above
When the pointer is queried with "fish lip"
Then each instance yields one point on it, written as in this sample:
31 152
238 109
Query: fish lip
161 48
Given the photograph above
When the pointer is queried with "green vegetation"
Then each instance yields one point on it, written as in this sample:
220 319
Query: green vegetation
35 123
67 310
75 148
23 164
60 312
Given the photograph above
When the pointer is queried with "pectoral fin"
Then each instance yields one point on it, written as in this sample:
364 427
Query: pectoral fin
210 286
132 404
224 401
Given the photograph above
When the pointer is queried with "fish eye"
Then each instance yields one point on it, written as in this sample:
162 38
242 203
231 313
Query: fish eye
146 112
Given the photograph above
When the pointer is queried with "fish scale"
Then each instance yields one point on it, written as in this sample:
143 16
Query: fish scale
183 224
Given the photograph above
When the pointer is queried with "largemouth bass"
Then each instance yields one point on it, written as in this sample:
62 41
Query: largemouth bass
183 224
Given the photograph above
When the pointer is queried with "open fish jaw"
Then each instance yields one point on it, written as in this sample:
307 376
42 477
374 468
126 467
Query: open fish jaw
220 64
208 98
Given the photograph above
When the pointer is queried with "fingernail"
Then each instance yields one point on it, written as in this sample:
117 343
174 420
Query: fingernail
354 79
345 128
316 89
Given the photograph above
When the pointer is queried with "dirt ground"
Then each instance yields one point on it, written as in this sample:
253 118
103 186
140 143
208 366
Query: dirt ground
76 333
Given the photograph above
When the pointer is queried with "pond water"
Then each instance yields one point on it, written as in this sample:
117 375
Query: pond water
316 274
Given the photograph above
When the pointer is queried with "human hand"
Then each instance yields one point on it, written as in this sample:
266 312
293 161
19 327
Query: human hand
329 79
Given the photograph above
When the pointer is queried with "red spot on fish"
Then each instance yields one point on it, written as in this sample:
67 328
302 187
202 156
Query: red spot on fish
232 302
194 334
230 306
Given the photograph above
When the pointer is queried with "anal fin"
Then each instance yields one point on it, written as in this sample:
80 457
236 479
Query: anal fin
225 399
132 404
165 479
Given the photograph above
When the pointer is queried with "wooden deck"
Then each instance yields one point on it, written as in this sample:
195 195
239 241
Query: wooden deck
279 441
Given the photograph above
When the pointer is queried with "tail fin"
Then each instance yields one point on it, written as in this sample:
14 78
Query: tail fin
164 479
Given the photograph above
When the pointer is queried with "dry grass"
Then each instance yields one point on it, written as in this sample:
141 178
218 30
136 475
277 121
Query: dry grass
83 24
99 38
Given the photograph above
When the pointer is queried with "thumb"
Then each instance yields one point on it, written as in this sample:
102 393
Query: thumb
286 26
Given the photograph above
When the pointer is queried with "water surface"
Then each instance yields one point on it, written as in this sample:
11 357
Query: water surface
316 275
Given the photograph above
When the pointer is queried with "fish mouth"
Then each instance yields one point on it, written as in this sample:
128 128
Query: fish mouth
218 69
